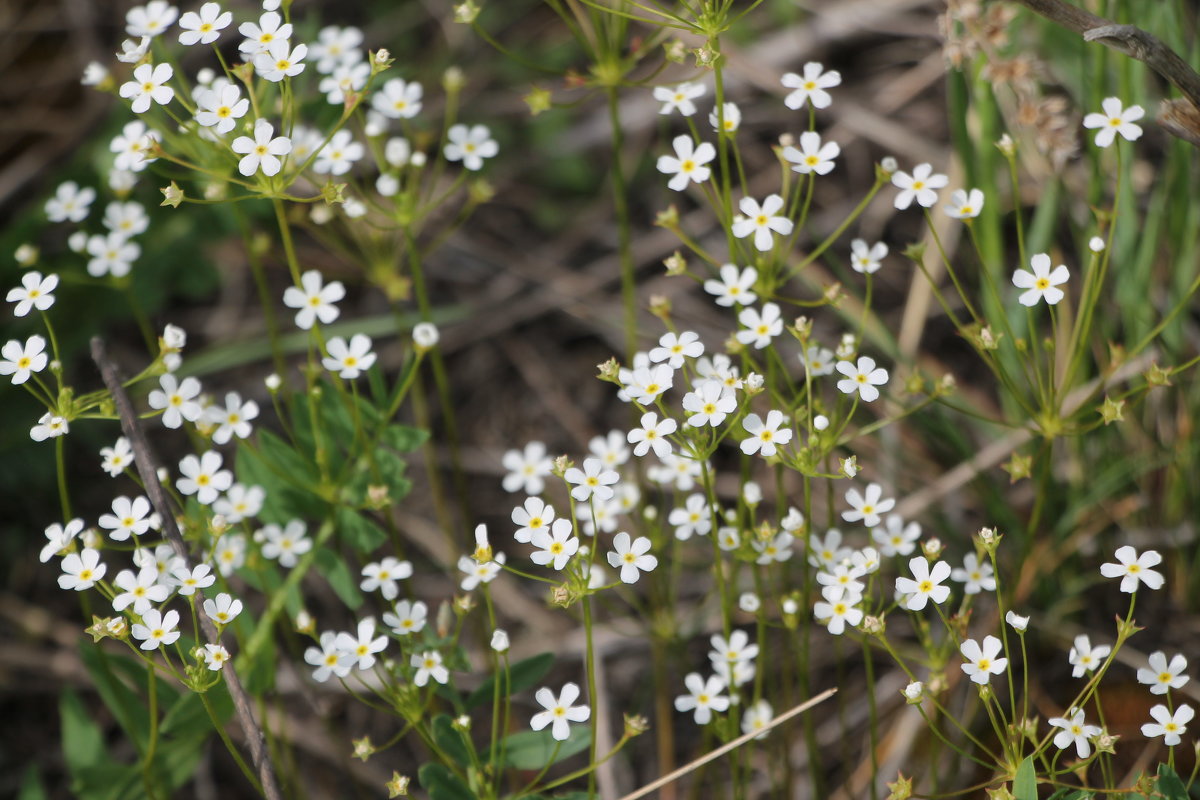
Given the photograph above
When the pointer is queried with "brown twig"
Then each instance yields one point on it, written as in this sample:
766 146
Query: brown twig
1145 47
145 461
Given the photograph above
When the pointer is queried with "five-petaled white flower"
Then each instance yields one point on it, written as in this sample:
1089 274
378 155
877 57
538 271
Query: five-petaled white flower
204 27
896 537
22 360
631 556
280 60
223 609
868 507
1042 283
531 517
703 697
729 119
862 378
203 477
475 573
709 405
470 145
556 546
1133 569
384 574
919 186
981 663
838 609
759 329
328 658
866 258
429 665
151 19
263 151
49 426
810 87
128 518
673 348
112 255
398 99
149 84
177 400
409 617
1018 623
287 543
765 435
688 163
692 518
925 584
349 360
232 419
812 156
215 656
652 435
1114 120
315 300
527 469
735 286
679 98
964 204
141 590
59 537
593 481
240 502
1075 730
187 581
1167 724
34 292
1085 658
559 711
363 646
81 570
1161 676
337 157
262 35
156 629
221 108
645 384
760 220
976 575
70 203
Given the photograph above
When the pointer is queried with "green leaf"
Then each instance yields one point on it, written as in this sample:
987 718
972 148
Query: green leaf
82 742
1025 782
521 676
187 717
1170 784
31 785
442 784
449 741
334 568
403 438
533 750
289 479
113 675
356 530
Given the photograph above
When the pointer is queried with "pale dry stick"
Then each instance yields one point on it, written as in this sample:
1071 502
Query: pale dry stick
1180 118
992 454
144 458
671 777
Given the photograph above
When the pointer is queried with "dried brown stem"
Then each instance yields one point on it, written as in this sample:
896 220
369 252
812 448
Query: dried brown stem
144 459
1145 47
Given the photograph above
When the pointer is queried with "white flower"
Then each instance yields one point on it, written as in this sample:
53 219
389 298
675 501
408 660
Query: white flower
337 157
232 419
151 19
645 384
263 151
156 629
827 553
735 286
757 717
69 204
703 697
477 573
1161 676
964 204
591 481
862 378
1114 120
919 186
709 405
425 335
363 646
1168 725
470 145
115 459
1134 569
241 502
761 220
925 583
527 469
632 557
112 255
652 435
610 449
328 659
842 578
759 329
533 516
132 147
188 581
409 617
177 400
215 656
223 609
977 576
674 348
286 543
127 219
149 84
749 602
128 518
764 436
1075 730
1018 623
812 156
817 360
1085 658
315 300
22 360
280 60
59 538
400 99
49 426
914 690
868 507
1041 283
1096 244
205 27
346 78
349 360
693 518
141 590
895 537
336 47
811 86
729 120
559 711
429 665
679 98
981 663
556 546
867 259
203 477
221 108
81 570
838 609
133 50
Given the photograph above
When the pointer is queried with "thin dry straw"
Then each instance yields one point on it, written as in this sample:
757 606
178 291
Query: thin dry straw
722 750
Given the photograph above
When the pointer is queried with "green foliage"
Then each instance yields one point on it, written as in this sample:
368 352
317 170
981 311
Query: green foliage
1025 782
442 784
533 750
451 742
521 676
